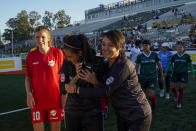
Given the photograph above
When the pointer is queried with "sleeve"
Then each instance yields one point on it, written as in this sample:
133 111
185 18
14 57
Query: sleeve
191 68
189 59
60 60
170 63
93 92
64 77
28 67
117 76
157 58
172 59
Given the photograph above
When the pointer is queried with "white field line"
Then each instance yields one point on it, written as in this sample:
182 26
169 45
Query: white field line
13 111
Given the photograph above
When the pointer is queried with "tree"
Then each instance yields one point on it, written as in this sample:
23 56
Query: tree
34 18
61 19
47 19
20 26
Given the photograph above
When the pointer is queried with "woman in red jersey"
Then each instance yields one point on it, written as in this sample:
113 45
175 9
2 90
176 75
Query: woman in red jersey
42 82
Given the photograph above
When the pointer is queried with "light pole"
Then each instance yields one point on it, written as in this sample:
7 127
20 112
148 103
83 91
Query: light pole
12 44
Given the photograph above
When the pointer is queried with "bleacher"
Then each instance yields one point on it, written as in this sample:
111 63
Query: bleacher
135 20
83 28
169 16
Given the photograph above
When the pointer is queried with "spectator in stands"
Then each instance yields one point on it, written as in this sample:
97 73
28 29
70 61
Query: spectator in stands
148 72
181 61
120 84
155 46
165 57
135 51
81 113
42 82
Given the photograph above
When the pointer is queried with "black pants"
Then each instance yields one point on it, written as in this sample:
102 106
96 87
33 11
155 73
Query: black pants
84 121
167 81
137 125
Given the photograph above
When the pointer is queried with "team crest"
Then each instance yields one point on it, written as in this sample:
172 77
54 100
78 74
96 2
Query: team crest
51 63
109 80
62 77
53 112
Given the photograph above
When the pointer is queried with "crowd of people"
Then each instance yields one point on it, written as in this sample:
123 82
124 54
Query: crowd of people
71 83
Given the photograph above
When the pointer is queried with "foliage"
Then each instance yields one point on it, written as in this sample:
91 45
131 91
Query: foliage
61 19
24 23
47 19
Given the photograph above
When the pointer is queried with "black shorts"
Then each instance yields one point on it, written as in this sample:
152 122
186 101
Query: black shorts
180 77
84 120
148 84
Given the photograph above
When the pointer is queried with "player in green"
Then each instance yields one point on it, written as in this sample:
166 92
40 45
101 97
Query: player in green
148 73
181 61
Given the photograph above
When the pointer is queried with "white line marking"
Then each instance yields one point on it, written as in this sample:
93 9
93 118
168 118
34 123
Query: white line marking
5 113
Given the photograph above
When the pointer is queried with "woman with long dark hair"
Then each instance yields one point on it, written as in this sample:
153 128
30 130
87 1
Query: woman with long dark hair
80 113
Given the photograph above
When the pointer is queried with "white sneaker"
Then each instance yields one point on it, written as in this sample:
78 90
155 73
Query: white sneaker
162 93
175 98
167 96
179 106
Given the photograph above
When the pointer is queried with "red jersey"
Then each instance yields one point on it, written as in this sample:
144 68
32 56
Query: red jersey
44 71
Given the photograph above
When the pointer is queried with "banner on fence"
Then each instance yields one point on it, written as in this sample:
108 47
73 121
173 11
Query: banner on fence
10 64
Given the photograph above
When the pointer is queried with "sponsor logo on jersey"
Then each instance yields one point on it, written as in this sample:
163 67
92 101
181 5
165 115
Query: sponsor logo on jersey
62 77
109 80
53 112
51 63
35 63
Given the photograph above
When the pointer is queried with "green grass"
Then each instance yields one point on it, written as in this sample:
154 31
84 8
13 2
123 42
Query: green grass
166 118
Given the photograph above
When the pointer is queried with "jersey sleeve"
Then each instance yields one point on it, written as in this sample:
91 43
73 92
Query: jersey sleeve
172 59
157 58
64 77
28 67
189 59
60 59
117 76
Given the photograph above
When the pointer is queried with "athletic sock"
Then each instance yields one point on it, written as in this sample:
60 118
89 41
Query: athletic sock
174 91
181 93
153 100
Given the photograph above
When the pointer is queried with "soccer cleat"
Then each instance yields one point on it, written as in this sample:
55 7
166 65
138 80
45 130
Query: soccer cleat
162 93
105 115
167 96
179 106
175 98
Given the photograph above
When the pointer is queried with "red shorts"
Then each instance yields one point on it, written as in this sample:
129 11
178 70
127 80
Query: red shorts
48 114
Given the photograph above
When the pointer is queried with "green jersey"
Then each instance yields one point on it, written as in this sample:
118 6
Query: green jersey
180 62
147 64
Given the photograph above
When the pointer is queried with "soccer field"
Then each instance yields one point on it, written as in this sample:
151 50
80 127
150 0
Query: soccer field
166 118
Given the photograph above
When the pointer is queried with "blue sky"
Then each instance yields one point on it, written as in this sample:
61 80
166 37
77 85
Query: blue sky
74 8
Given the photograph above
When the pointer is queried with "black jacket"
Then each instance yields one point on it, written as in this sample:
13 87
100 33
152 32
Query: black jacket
74 101
124 90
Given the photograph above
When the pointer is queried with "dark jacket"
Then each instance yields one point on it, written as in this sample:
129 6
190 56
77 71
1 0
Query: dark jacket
124 90
74 101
